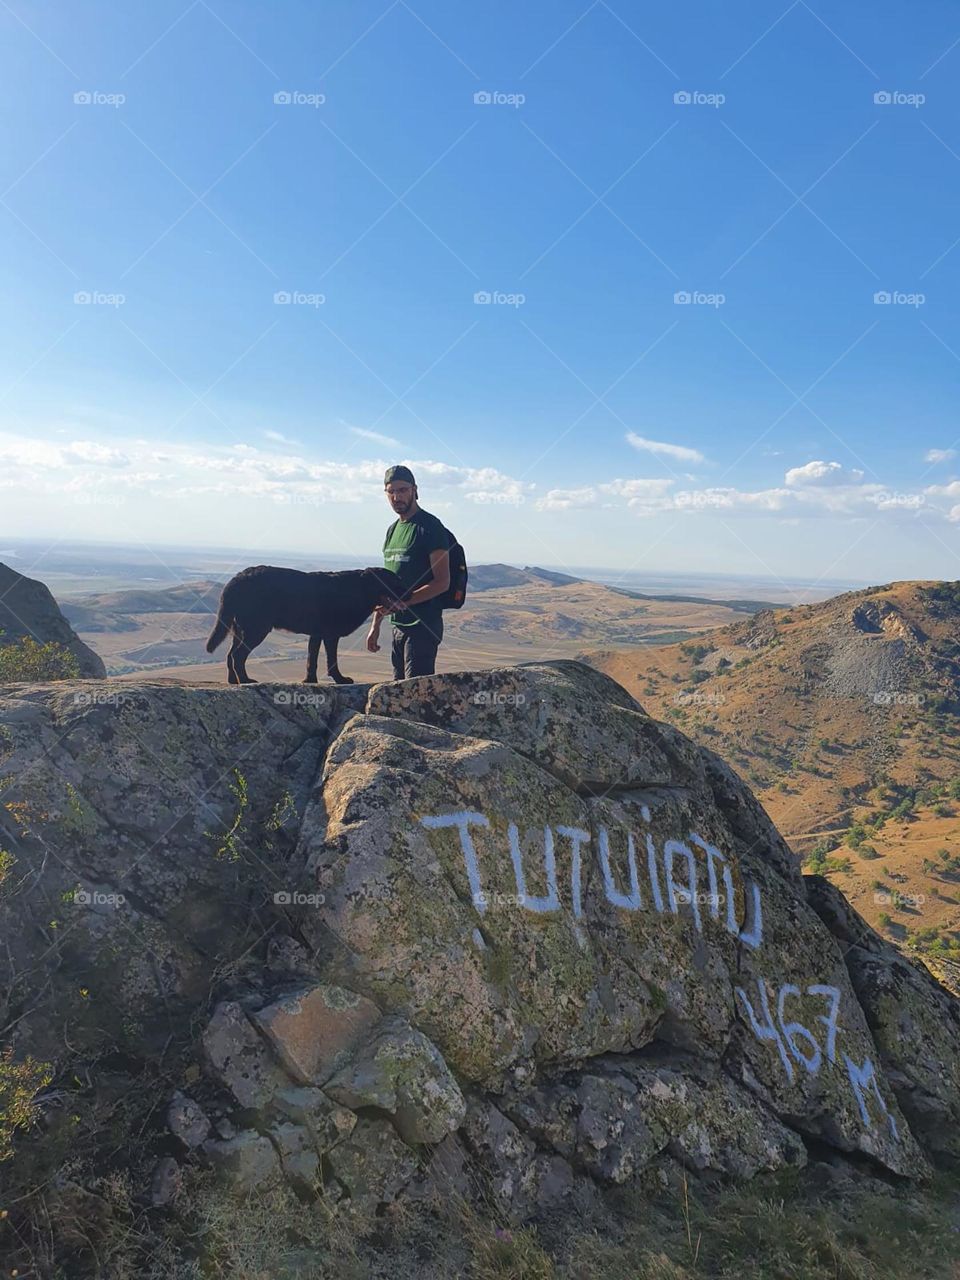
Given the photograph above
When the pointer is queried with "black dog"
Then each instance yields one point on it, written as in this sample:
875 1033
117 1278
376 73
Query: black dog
324 606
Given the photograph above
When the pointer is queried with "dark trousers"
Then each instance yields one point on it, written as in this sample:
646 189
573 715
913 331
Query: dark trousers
414 650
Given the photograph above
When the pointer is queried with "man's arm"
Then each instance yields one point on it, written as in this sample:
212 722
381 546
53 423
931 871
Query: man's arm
373 635
440 567
440 564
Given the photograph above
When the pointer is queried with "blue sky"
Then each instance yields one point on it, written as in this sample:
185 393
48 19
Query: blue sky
782 421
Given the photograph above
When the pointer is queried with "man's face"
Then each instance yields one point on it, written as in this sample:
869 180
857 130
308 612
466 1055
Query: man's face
401 496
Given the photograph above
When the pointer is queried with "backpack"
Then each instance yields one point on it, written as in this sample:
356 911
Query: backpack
455 594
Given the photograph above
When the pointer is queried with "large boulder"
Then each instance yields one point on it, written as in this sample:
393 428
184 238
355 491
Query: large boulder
494 930
535 873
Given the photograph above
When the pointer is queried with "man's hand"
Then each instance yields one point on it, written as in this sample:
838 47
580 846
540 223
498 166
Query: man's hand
373 637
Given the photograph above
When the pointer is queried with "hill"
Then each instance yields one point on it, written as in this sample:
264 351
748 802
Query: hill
115 610
28 610
844 716
490 577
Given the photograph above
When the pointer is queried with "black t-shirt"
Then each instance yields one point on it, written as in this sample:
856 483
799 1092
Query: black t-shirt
406 550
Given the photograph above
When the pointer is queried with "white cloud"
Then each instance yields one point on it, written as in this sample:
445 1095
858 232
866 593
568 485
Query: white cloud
89 451
939 455
819 491
274 474
376 437
279 437
645 496
569 499
22 451
822 473
679 451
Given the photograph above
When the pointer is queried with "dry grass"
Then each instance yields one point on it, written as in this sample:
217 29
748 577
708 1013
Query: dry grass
800 1226
781 1229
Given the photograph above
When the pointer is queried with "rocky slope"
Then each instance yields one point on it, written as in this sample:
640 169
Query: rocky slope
820 702
490 930
28 609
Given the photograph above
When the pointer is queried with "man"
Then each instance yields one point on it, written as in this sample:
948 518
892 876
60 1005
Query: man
415 548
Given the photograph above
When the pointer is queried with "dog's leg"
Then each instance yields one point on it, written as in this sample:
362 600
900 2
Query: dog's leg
232 677
244 644
235 667
313 653
330 644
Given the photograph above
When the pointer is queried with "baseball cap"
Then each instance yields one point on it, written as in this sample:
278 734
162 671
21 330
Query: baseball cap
398 473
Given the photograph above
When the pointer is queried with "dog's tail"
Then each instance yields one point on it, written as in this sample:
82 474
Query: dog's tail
218 634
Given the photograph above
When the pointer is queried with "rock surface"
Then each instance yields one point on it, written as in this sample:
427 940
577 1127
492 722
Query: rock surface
402 1073
500 932
313 1029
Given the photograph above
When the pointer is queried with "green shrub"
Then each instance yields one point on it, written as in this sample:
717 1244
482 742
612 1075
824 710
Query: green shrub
20 1082
27 660
7 863
820 865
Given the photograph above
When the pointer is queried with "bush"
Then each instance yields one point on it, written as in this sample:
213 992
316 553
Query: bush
820 865
27 660
856 835
19 1084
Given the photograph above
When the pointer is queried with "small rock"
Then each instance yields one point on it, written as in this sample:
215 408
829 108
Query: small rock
301 1164
327 1122
303 1172
166 1182
240 1058
286 955
373 1165
290 1139
246 1161
187 1121
446 1175
403 1073
314 1029
506 1154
